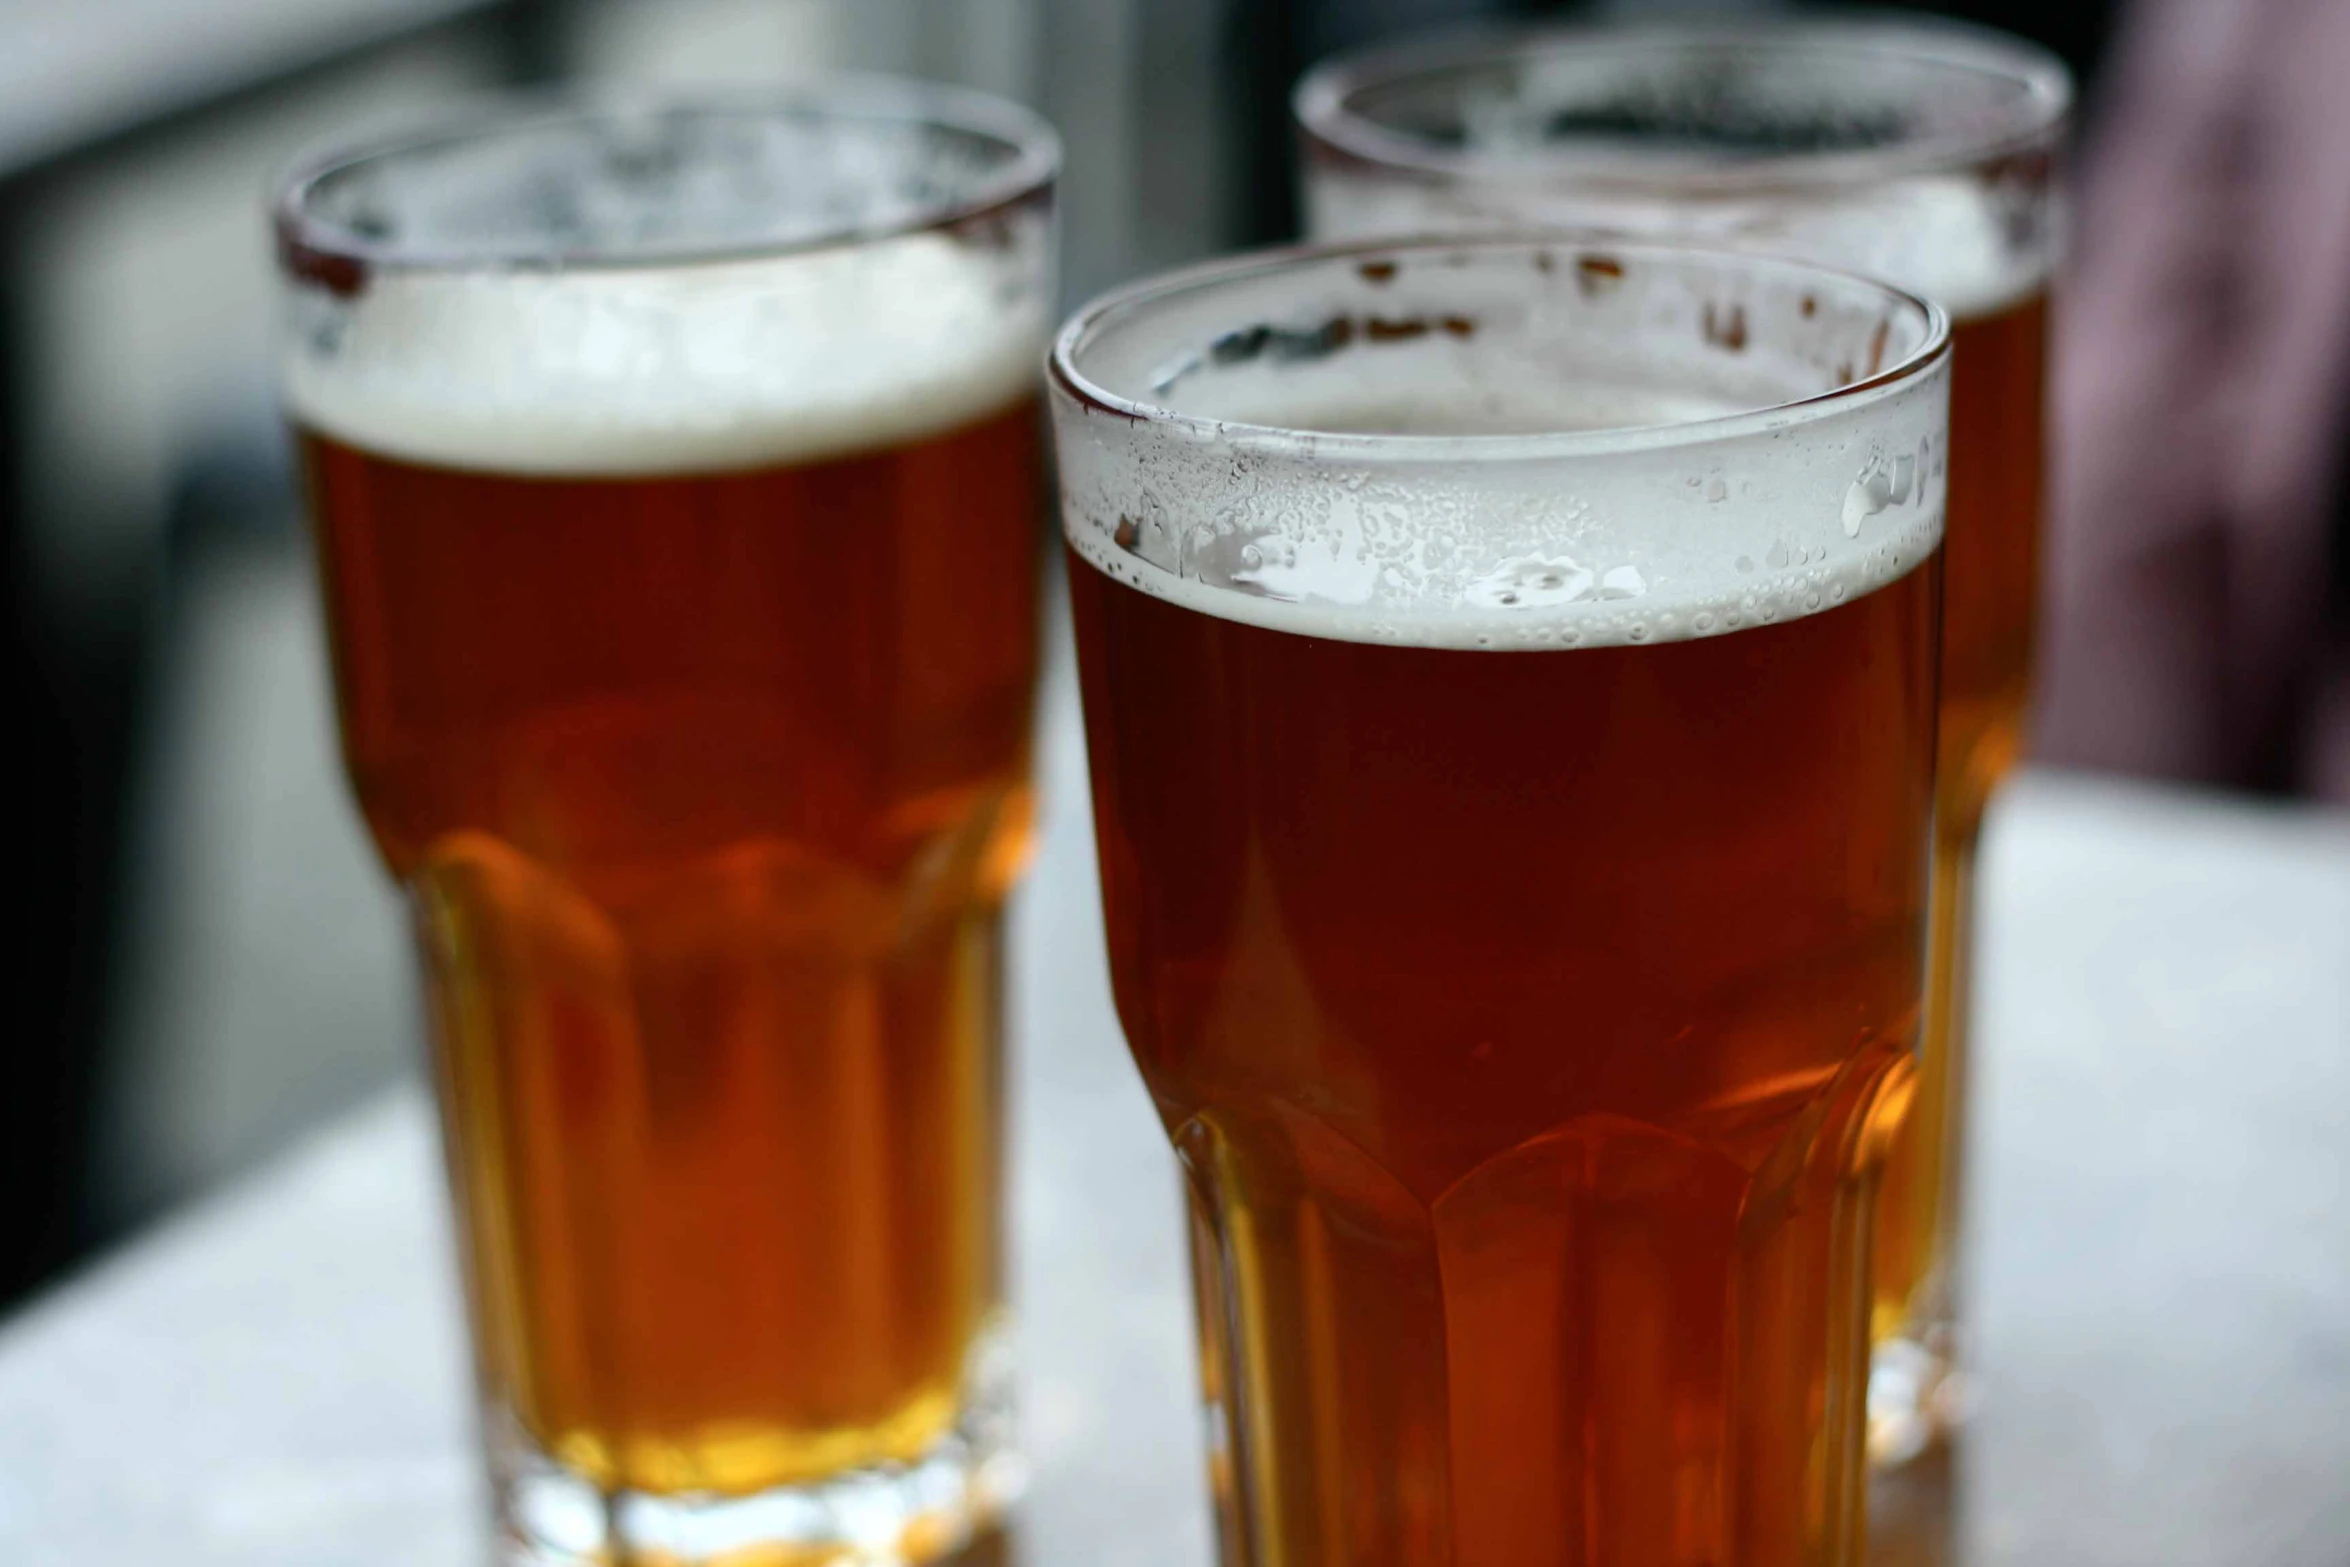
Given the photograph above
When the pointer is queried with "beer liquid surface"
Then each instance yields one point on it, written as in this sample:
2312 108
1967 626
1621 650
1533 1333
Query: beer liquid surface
707 781
1527 1022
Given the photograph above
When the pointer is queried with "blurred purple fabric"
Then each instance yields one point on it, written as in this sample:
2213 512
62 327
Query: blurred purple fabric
2202 385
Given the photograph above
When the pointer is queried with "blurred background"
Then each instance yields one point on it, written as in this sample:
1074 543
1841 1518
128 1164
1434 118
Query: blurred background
211 960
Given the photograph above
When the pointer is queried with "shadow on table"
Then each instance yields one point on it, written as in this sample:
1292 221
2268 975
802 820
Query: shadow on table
996 1546
1912 1522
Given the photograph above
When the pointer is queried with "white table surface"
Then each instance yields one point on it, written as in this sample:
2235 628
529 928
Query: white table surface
276 1377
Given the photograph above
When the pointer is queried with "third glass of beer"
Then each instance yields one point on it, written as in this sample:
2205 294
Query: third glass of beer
1911 151
1509 680
675 470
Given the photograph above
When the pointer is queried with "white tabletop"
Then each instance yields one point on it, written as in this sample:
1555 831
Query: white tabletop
2163 1275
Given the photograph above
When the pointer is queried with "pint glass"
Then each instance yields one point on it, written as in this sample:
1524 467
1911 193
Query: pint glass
675 472
1509 679
1919 153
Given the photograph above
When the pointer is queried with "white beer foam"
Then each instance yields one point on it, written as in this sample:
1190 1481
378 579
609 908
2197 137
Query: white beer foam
675 369
1445 557
1943 236
1946 238
1654 532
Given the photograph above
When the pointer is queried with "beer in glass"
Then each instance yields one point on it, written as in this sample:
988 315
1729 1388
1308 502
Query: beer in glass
1509 679
675 474
1914 152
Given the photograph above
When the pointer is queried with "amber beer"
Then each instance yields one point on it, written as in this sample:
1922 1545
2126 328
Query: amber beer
708 788
684 623
1991 592
1514 862
1916 152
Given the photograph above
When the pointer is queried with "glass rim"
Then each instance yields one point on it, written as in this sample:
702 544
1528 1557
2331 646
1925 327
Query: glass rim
1322 104
310 244
1106 310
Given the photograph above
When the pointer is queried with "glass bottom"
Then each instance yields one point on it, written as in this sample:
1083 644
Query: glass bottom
890 1515
1917 1390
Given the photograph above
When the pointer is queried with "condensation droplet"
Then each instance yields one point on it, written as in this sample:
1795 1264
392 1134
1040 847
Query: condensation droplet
1868 495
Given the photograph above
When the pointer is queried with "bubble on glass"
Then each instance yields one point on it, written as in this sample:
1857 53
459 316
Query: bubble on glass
1531 582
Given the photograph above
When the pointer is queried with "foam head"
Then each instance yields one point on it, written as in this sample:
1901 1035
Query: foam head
677 289
1503 444
1910 151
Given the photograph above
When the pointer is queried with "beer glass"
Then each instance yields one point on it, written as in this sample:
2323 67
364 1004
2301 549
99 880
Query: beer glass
675 470
1509 679
1911 151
